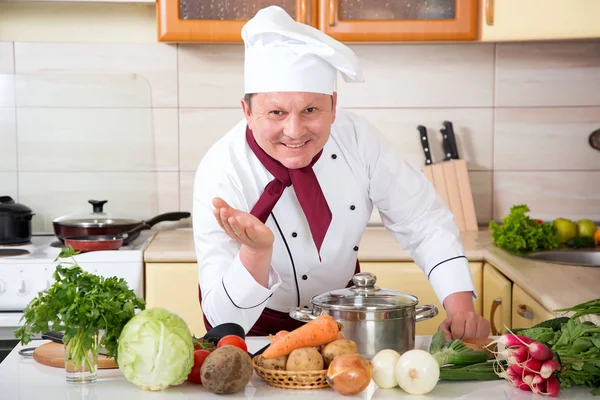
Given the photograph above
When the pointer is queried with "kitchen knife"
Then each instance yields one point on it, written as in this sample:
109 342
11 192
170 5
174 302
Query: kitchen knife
446 145
425 144
451 140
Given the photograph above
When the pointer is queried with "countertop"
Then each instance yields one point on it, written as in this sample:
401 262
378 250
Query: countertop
24 379
554 286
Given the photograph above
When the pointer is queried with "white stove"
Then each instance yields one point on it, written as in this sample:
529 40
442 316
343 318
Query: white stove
27 269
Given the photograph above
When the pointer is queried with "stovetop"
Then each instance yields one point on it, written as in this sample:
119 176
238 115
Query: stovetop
46 247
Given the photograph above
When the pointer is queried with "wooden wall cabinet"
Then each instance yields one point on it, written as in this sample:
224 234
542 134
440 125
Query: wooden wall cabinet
345 20
515 20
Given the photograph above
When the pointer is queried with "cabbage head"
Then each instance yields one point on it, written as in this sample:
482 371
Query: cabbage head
156 349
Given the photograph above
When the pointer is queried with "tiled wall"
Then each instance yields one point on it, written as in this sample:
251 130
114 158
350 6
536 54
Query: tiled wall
129 122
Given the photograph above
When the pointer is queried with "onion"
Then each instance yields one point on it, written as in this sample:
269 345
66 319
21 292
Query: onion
383 364
349 374
417 372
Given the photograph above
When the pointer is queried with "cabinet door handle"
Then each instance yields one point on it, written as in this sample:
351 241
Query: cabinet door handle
301 10
332 12
495 304
489 12
524 311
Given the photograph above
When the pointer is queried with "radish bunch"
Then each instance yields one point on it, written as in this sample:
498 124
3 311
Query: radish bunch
531 364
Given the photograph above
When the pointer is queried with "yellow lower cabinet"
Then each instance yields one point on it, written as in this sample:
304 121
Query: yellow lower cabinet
527 312
174 287
497 299
407 277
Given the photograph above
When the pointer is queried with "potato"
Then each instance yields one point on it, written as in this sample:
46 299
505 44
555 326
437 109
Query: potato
227 369
272 363
304 359
337 347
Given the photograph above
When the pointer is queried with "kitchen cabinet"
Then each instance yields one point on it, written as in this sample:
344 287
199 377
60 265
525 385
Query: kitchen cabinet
393 21
345 20
220 20
497 299
407 277
513 20
174 287
526 311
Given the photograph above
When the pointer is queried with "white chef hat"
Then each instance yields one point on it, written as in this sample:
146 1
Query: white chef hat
283 55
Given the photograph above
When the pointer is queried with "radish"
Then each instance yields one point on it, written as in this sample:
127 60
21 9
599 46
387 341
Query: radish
537 379
548 367
518 355
539 388
552 386
532 365
537 350
512 340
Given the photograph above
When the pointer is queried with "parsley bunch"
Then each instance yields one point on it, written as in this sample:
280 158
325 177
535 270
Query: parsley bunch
81 305
520 234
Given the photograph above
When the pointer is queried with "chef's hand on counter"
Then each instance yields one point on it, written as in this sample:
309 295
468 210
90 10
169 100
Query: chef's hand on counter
462 321
254 236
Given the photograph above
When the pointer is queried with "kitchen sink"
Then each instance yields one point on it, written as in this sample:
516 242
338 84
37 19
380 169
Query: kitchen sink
583 257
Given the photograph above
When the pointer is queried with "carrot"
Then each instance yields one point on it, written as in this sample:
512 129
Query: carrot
320 330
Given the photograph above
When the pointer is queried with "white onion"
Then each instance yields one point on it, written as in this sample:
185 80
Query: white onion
417 371
383 365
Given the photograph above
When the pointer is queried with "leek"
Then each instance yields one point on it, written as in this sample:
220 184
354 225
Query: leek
454 352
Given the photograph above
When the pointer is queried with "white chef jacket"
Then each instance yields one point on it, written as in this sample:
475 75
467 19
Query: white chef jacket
357 171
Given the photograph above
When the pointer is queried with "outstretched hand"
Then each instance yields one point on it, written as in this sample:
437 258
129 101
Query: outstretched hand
242 227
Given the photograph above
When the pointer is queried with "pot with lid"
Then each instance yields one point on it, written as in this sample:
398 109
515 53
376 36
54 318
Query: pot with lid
99 222
15 222
373 317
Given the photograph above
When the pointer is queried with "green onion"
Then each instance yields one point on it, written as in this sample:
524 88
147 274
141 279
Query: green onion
454 351
483 371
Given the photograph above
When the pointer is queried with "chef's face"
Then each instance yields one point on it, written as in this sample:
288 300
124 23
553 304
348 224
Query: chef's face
291 127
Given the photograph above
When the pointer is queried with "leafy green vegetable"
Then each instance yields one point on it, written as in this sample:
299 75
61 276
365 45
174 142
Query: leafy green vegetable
520 234
454 351
156 349
81 305
575 343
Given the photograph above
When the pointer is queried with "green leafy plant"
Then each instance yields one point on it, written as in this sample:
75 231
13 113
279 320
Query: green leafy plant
520 234
575 343
81 305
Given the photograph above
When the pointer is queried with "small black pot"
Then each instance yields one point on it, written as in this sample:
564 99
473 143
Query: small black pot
15 222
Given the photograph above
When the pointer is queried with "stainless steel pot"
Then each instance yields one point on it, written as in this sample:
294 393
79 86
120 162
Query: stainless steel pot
373 317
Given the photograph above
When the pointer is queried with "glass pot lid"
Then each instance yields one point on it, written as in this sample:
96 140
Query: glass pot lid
96 218
9 207
364 296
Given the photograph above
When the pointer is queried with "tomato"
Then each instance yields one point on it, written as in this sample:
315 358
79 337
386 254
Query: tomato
199 357
233 340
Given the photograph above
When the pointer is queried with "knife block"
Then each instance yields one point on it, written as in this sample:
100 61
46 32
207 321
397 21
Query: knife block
451 181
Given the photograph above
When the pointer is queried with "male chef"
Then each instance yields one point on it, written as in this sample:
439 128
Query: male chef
281 201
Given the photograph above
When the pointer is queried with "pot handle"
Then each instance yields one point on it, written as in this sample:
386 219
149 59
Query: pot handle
425 312
302 315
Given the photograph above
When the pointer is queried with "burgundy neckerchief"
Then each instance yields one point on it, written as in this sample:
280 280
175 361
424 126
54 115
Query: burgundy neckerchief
308 191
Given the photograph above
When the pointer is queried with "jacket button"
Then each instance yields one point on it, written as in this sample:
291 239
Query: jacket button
334 156
355 248
352 207
294 234
304 277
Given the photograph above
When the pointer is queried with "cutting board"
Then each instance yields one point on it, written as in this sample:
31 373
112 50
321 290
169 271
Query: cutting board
52 354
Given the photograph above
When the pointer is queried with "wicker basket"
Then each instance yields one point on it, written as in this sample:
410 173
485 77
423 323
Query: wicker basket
292 379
